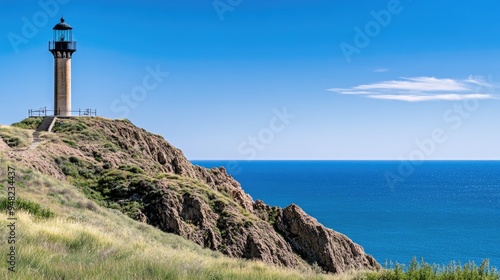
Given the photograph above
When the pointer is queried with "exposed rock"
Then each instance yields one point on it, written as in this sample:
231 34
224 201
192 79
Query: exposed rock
331 250
262 210
220 227
207 206
141 217
219 180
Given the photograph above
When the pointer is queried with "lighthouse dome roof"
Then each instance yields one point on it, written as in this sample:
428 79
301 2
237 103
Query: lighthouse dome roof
62 26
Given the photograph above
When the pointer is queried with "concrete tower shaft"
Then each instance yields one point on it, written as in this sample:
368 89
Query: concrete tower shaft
62 86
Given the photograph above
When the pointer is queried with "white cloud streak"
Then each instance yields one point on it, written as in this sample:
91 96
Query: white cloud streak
420 89
418 98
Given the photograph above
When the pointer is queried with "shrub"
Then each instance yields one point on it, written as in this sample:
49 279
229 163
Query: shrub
33 208
74 160
423 270
111 180
110 147
77 168
131 168
15 137
90 205
69 170
131 208
97 156
69 126
69 142
29 123
248 224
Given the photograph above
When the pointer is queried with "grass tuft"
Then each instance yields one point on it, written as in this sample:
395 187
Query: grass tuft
98 243
15 137
29 123
421 270
29 206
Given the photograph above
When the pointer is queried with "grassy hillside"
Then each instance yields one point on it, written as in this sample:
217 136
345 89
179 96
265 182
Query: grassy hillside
64 230
85 241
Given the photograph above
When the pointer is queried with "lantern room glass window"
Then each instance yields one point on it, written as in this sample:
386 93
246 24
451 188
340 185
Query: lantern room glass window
63 35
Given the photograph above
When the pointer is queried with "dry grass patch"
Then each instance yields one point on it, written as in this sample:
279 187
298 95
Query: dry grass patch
15 137
92 242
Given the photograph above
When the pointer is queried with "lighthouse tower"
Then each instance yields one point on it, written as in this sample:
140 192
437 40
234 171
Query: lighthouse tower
62 47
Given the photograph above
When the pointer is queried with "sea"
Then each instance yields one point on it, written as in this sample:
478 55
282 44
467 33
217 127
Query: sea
440 211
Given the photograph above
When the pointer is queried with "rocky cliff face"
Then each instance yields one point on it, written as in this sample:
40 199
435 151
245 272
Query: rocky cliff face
333 251
127 168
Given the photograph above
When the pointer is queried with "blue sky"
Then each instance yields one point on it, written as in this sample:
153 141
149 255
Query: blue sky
240 79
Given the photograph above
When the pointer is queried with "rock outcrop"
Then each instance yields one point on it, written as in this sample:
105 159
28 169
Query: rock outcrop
218 224
331 250
3 146
150 180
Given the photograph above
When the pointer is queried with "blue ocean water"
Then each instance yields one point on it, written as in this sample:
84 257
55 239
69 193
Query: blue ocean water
441 211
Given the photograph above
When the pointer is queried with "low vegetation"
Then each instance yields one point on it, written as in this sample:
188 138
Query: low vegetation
15 137
29 123
82 229
86 241
31 207
422 270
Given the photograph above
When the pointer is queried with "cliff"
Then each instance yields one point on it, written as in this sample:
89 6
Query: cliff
121 166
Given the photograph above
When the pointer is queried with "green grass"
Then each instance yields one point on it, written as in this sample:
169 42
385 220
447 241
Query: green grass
131 168
92 242
62 234
69 127
422 270
114 187
71 143
29 123
15 137
95 248
28 206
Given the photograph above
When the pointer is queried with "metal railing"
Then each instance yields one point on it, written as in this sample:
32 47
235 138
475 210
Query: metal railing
43 112
62 45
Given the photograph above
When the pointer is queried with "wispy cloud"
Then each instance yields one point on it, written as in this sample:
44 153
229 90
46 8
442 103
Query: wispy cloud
381 70
417 98
423 89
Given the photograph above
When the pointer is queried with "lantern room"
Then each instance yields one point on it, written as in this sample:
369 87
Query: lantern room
62 38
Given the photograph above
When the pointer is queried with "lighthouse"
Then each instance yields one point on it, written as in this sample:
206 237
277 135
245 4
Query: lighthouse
62 47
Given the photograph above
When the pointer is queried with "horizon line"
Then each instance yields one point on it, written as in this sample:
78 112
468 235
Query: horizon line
343 160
